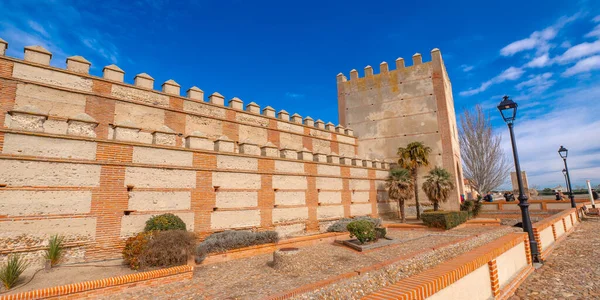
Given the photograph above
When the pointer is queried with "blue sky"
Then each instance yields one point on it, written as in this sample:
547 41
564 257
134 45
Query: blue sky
545 54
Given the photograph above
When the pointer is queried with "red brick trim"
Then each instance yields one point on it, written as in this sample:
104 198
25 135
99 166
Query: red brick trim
494 277
108 286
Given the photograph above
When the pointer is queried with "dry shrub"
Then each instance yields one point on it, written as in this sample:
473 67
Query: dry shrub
168 248
231 239
159 249
135 247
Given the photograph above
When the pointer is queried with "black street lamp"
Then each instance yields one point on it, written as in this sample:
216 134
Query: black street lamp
562 151
564 171
508 109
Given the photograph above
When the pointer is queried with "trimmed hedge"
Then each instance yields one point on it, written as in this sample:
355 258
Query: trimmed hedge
444 219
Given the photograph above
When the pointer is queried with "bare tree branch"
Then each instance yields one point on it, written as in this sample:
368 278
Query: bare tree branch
484 162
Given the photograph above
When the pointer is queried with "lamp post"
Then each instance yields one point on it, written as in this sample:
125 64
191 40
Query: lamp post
562 151
508 110
564 171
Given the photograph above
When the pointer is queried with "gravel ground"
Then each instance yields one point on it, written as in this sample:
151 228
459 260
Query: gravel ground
571 271
359 286
253 278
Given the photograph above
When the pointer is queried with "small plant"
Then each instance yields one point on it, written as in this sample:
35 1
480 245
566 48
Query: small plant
380 232
165 222
134 249
10 273
363 230
472 207
55 249
341 225
168 248
233 239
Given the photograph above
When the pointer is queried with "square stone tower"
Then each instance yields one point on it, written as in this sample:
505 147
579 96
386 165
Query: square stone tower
396 107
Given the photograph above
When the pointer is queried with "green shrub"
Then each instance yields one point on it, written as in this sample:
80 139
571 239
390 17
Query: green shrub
472 207
444 219
168 248
164 222
380 232
341 225
135 247
10 273
363 230
233 239
55 249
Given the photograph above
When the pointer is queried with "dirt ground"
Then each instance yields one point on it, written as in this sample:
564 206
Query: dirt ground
67 274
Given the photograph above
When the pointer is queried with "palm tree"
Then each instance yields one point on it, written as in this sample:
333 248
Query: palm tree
400 188
438 184
411 158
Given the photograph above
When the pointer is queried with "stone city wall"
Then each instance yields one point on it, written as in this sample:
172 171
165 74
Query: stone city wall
93 158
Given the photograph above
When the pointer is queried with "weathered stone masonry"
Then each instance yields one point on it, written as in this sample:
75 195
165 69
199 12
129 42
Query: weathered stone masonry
395 107
93 158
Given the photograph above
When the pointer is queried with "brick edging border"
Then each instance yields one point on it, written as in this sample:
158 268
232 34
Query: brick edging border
81 287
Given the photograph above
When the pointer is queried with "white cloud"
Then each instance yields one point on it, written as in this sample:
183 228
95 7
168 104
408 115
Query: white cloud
583 66
539 62
596 19
467 68
594 33
538 40
38 28
511 73
537 84
579 51
294 95
521 45
24 23
565 44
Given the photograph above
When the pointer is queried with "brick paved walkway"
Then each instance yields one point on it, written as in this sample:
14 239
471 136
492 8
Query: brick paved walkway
571 271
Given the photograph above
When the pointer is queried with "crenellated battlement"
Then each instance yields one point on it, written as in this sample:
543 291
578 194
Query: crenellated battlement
417 60
78 64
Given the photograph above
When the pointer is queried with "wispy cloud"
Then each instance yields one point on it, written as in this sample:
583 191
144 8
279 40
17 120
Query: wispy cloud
583 66
467 68
539 62
23 24
537 84
538 40
294 95
512 73
579 51
595 32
